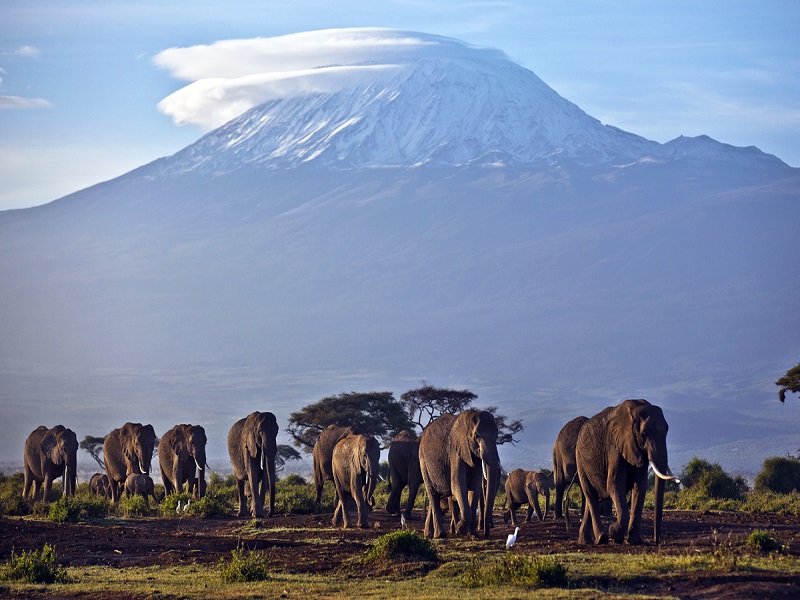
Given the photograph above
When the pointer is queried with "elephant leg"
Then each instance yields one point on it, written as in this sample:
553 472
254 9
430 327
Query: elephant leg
591 519
435 517
559 499
634 524
48 485
512 512
253 478
618 528
413 490
27 484
240 483
533 503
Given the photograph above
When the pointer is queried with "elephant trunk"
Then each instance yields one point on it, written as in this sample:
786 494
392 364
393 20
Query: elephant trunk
70 476
492 474
658 507
200 462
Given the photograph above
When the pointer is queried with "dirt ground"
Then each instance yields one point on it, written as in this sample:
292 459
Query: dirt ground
189 540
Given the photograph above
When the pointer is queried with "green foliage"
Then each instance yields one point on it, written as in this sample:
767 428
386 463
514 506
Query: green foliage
216 503
402 545
94 446
71 509
765 542
11 501
169 505
250 565
293 479
298 499
710 480
789 382
283 455
135 506
517 569
36 566
781 475
375 413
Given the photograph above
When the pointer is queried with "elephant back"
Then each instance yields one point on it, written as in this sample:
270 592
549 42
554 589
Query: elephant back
324 446
434 454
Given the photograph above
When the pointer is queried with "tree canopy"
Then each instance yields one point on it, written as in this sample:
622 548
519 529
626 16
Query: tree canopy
789 382
94 446
283 455
426 403
374 413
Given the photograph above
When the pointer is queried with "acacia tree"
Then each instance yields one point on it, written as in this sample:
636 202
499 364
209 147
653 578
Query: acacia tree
94 446
283 455
426 403
789 382
375 413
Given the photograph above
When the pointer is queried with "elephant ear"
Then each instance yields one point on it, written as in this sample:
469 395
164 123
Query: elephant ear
50 448
461 433
621 430
176 442
251 436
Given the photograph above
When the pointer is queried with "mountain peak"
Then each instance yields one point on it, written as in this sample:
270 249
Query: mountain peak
365 98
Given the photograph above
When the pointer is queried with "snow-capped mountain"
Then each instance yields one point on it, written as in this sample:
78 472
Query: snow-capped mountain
428 211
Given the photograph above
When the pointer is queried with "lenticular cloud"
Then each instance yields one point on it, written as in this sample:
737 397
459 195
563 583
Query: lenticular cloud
231 76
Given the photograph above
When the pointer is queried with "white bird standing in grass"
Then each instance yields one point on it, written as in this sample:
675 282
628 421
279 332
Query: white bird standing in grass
512 538
185 508
178 509
402 520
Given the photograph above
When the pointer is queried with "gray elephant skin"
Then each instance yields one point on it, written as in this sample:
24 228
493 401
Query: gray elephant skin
613 451
564 466
99 486
48 455
140 484
455 454
404 470
180 451
252 446
323 454
127 450
355 465
525 487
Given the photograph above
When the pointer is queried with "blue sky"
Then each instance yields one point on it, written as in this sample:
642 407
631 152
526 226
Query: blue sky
80 87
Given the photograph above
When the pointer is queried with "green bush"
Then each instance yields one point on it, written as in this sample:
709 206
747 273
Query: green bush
135 506
11 501
214 504
169 505
710 480
251 565
781 475
296 499
71 509
517 569
36 566
765 542
402 545
293 479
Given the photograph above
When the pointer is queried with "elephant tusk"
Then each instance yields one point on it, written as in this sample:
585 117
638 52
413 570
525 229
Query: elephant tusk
661 475
483 469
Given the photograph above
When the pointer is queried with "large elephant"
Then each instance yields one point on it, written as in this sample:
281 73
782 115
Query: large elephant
524 487
355 464
323 454
48 455
564 467
140 484
612 453
99 486
252 445
180 450
403 471
455 453
127 450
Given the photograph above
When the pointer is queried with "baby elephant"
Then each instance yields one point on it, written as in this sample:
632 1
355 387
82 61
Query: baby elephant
140 484
99 486
524 487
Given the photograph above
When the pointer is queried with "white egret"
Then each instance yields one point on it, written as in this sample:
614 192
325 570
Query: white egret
178 509
512 538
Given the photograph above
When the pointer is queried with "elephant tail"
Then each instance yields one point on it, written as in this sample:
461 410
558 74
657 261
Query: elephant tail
565 509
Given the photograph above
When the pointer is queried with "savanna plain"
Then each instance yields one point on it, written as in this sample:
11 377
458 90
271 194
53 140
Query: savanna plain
84 547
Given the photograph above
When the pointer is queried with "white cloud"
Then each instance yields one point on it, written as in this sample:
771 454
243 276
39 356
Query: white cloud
231 76
17 102
25 51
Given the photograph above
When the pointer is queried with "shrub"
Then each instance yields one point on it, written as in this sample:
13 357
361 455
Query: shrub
694 470
764 542
402 545
36 566
293 479
710 480
169 506
251 565
781 475
11 501
298 499
71 509
517 569
213 504
135 506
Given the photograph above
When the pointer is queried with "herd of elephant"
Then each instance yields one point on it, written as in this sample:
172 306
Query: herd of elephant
455 457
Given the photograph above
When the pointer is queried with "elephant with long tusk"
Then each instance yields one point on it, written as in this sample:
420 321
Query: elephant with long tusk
613 452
